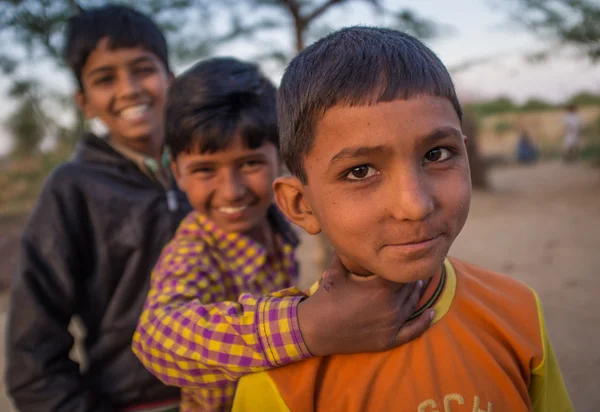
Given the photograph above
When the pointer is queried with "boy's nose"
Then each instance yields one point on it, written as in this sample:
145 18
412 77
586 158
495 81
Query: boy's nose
233 187
411 198
128 86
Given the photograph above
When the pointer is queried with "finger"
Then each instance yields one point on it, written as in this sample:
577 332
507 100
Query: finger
417 292
408 290
412 330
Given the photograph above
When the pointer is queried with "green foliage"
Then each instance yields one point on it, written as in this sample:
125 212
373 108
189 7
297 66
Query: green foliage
503 105
408 21
502 127
496 106
533 105
28 124
585 99
567 22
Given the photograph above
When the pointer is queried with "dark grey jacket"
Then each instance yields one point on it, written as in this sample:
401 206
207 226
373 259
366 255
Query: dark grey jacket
88 250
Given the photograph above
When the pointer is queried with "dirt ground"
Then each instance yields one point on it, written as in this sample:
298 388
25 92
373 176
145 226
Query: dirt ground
540 224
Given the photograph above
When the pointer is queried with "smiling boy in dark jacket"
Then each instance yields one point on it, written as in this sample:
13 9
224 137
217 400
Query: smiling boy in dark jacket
99 225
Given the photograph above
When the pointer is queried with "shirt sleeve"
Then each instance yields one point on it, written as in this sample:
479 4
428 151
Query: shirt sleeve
547 390
187 338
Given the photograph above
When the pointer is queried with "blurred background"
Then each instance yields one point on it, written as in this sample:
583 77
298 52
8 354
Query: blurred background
525 70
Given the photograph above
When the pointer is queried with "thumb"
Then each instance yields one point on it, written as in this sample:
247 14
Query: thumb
336 272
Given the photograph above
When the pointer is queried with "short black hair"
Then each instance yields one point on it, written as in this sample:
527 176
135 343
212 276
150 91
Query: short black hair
123 26
354 66
216 99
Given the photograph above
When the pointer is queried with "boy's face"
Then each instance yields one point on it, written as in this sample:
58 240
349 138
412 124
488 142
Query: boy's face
232 187
388 184
126 89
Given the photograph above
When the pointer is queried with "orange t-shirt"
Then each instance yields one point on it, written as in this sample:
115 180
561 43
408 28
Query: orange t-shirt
486 351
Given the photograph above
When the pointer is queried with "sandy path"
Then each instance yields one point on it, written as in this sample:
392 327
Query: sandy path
540 225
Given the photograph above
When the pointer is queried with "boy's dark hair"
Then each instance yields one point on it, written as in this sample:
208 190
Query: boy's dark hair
354 66
123 26
216 99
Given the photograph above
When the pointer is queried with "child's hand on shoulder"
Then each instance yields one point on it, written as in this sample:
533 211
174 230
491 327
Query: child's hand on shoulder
350 314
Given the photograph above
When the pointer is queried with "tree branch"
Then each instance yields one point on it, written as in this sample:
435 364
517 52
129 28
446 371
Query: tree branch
300 23
321 10
294 9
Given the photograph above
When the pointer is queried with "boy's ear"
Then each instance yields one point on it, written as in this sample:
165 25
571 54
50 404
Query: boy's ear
180 182
82 104
170 79
175 171
291 200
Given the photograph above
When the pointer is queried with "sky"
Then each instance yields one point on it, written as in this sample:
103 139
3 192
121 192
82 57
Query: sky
477 29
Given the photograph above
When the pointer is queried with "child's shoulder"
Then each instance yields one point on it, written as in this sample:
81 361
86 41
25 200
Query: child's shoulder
484 291
65 174
61 189
190 247
191 237
480 277
90 157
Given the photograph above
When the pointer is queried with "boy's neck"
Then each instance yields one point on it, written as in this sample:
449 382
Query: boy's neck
264 235
151 147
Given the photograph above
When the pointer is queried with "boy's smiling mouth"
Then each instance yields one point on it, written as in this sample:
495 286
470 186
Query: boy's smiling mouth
233 210
236 212
134 112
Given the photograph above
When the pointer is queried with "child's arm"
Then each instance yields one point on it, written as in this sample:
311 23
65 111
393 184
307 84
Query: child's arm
547 389
187 341
40 376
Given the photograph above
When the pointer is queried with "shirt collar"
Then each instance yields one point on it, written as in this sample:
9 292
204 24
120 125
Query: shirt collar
151 167
213 234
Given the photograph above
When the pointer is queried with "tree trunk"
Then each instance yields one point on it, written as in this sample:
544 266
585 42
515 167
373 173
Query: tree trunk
479 175
299 27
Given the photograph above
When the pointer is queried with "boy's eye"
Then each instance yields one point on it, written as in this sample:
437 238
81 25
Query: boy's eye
203 171
103 80
143 70
439 154
361 172
251 165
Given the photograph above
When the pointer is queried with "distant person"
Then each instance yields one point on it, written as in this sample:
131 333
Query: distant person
370 130
97 229
527 152
572 122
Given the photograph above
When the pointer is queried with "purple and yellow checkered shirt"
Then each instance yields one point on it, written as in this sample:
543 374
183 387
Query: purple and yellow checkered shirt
206 321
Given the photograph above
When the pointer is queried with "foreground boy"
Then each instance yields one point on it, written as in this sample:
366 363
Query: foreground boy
370 129
205 322
99 225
